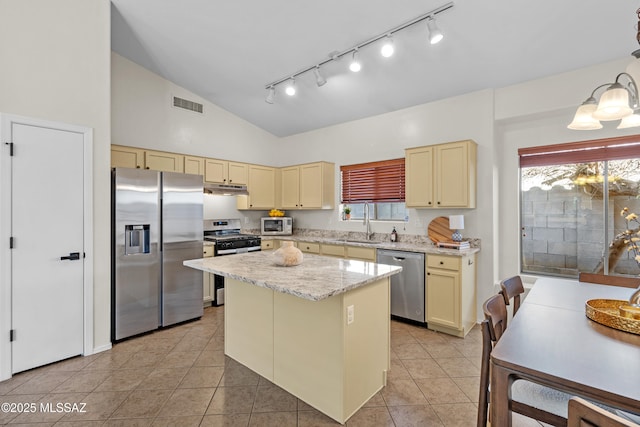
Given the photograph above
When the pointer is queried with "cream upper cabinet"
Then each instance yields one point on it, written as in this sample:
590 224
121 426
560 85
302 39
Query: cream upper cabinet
261 187
194 165
451 294
308 186
441 176
162 161
225 172
127 157
419 177
238 173
290 187
216 171
130 157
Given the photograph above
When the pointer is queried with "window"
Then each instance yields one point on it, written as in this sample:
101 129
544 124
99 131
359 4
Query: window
570 213
380 184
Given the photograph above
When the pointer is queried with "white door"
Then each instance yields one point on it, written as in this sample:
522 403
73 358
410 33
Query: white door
47 227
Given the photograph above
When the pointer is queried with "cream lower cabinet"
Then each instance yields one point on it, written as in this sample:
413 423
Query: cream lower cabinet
208 287
360 253
309 247
441 176
332 250
308 348
451 294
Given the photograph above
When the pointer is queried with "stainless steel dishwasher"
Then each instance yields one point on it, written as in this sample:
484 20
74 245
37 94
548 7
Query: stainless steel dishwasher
407 287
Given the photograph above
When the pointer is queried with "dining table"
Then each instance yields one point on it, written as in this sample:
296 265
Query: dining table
551 341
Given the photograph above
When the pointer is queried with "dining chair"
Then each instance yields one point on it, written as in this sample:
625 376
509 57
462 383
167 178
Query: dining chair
512 288
586 414
605 279
527 398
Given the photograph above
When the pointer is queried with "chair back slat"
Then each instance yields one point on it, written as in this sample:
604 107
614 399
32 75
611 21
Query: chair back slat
512 288
495 311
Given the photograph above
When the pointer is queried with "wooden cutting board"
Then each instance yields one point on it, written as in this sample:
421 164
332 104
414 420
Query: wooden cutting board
438 230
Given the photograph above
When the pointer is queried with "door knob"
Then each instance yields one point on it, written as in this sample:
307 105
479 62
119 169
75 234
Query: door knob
73 256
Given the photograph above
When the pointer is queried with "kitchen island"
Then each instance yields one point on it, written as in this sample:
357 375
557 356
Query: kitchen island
319 330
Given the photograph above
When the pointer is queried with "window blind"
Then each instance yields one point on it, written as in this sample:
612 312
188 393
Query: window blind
373 182
620 148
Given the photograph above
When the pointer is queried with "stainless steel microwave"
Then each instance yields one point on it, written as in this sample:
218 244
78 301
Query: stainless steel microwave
276 226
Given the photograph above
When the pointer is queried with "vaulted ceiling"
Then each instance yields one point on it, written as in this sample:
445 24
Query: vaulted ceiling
227 51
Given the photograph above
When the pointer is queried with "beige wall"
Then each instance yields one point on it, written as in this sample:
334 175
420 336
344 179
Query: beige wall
143 116
54 58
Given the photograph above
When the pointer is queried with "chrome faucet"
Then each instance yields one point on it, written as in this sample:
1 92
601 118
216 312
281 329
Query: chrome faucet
367 220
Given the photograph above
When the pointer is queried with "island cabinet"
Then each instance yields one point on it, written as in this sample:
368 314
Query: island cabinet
319 330
225 172
441 176
308 186
262 189
137 158
451 294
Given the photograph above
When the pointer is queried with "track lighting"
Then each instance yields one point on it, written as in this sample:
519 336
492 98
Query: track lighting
355 63
435 35
319 79
270 95
291 87
387 48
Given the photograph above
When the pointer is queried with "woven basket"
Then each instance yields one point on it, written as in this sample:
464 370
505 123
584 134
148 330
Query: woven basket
607 312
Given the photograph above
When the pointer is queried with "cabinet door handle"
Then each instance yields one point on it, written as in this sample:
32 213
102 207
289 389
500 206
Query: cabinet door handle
441 262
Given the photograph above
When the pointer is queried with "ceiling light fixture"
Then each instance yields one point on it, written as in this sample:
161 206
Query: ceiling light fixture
620 101
353 50
387 48
355 63
435 35
291 87
270 95
319 79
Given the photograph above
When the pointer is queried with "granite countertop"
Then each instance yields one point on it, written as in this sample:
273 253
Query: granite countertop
317 278
427 248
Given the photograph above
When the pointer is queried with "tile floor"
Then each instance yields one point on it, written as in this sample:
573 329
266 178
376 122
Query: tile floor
180 377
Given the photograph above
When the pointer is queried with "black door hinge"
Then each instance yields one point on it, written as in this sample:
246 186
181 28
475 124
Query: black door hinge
12 335
10 144
11 242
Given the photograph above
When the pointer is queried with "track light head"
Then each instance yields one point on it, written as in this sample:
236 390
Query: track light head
355 63
291 87
270 95
387 47
435 35
319 79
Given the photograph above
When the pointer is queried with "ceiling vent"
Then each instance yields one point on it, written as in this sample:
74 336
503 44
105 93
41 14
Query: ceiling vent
187 105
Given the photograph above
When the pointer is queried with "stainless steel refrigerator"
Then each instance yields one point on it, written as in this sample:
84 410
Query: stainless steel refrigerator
156 224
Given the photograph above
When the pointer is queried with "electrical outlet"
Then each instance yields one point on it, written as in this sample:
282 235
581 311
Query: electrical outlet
350 314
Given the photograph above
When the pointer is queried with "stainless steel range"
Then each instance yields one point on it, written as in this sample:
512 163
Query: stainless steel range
227 238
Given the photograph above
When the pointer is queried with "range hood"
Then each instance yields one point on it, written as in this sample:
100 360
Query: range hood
225 189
